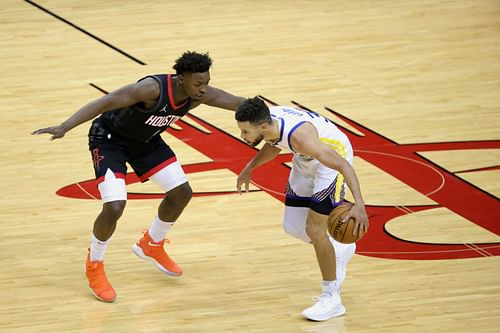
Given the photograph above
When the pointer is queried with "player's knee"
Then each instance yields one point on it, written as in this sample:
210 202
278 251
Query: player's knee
316 231
181 195
296 231
289 229
114 209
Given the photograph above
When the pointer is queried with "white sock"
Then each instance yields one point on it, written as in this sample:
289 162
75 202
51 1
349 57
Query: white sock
330 287
97 248
159 229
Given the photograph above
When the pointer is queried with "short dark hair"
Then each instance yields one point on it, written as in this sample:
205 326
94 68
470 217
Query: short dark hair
253 110
192 62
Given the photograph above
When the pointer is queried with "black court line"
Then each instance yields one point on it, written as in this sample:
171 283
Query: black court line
85 32
98 88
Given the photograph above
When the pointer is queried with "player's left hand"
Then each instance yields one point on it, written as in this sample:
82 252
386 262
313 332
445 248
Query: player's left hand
56 131
358 213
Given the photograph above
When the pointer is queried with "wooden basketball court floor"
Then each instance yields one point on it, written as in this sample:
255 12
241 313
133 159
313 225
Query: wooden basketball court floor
416 73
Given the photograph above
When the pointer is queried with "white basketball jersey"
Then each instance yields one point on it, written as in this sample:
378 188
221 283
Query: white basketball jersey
289 119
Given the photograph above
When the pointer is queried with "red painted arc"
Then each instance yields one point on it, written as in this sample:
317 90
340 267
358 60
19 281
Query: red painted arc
401 161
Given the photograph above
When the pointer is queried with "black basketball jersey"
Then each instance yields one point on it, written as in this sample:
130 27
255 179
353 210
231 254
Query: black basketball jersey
140 124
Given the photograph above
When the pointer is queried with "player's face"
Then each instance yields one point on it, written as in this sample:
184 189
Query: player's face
195 84
251 134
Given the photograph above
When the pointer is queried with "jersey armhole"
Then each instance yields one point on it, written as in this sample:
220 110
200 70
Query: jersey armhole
138 106
289 137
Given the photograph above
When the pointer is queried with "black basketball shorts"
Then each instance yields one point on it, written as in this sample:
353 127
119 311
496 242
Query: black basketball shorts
153 160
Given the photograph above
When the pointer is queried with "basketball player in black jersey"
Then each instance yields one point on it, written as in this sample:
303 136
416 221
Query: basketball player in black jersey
128 130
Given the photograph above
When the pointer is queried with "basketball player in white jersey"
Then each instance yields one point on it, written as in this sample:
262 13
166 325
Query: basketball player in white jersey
321 166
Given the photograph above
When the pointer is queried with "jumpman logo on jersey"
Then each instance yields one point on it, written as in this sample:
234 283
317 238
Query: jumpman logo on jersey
97 158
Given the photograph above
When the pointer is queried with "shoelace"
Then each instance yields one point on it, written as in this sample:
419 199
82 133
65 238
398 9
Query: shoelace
323 297
98 278
99 282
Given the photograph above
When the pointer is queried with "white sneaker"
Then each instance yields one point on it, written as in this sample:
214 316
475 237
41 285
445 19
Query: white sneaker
327 306
343 253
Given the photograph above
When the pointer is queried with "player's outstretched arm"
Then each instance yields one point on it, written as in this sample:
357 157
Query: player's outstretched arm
143 91
305 141
222 99
266 154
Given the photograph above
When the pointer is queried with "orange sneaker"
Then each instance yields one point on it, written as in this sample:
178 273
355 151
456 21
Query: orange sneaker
148 249
102 289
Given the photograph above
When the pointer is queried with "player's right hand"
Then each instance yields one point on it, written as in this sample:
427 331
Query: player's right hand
56 131
244 178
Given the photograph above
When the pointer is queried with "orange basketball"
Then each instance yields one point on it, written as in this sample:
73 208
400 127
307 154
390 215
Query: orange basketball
341 231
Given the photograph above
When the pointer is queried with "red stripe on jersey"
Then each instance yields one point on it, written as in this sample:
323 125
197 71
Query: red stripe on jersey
117 175
171 94
157 168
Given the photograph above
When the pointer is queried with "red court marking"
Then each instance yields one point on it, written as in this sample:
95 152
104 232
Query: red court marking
401 161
